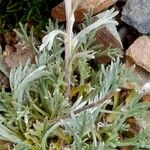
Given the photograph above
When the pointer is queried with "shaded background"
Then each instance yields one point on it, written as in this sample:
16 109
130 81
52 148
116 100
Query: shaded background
33 11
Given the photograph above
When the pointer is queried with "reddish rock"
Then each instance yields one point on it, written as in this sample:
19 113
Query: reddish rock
6 145
4 81
139 52
144 75
58 12
107 37
11 38
18 57
146 98
104 59
9 49
16 51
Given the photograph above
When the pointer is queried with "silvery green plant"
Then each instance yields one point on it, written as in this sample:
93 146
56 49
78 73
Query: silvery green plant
71 40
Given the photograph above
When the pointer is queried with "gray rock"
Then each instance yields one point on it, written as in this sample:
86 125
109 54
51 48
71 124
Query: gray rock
136 13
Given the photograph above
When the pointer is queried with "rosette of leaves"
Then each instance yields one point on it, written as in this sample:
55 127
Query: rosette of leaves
60 101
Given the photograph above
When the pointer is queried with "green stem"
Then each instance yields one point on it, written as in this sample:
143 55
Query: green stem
116 100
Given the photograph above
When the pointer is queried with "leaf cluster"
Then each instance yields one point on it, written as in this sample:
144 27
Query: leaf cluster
37 115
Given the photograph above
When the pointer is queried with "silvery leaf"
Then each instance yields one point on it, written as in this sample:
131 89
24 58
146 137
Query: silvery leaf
49 38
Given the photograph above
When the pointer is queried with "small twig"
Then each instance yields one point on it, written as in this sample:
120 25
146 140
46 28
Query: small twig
92 105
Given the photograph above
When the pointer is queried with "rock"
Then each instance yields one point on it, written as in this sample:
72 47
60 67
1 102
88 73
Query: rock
21 56
136 13
9 49
58 12
16 51
139 52
143 75
146 98
5 145
11 37
4 81
107 37
134 126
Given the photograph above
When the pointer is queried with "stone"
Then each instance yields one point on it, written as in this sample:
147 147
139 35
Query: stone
139 52
146 98
4 81
13 60
9 49
108 37
143 75
5 145
16 51
136 14
11 37
58 12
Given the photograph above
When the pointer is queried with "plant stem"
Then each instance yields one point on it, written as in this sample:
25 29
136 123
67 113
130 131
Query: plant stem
68 44
86 107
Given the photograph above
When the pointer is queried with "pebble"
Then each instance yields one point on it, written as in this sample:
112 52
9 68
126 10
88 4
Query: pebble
136 13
